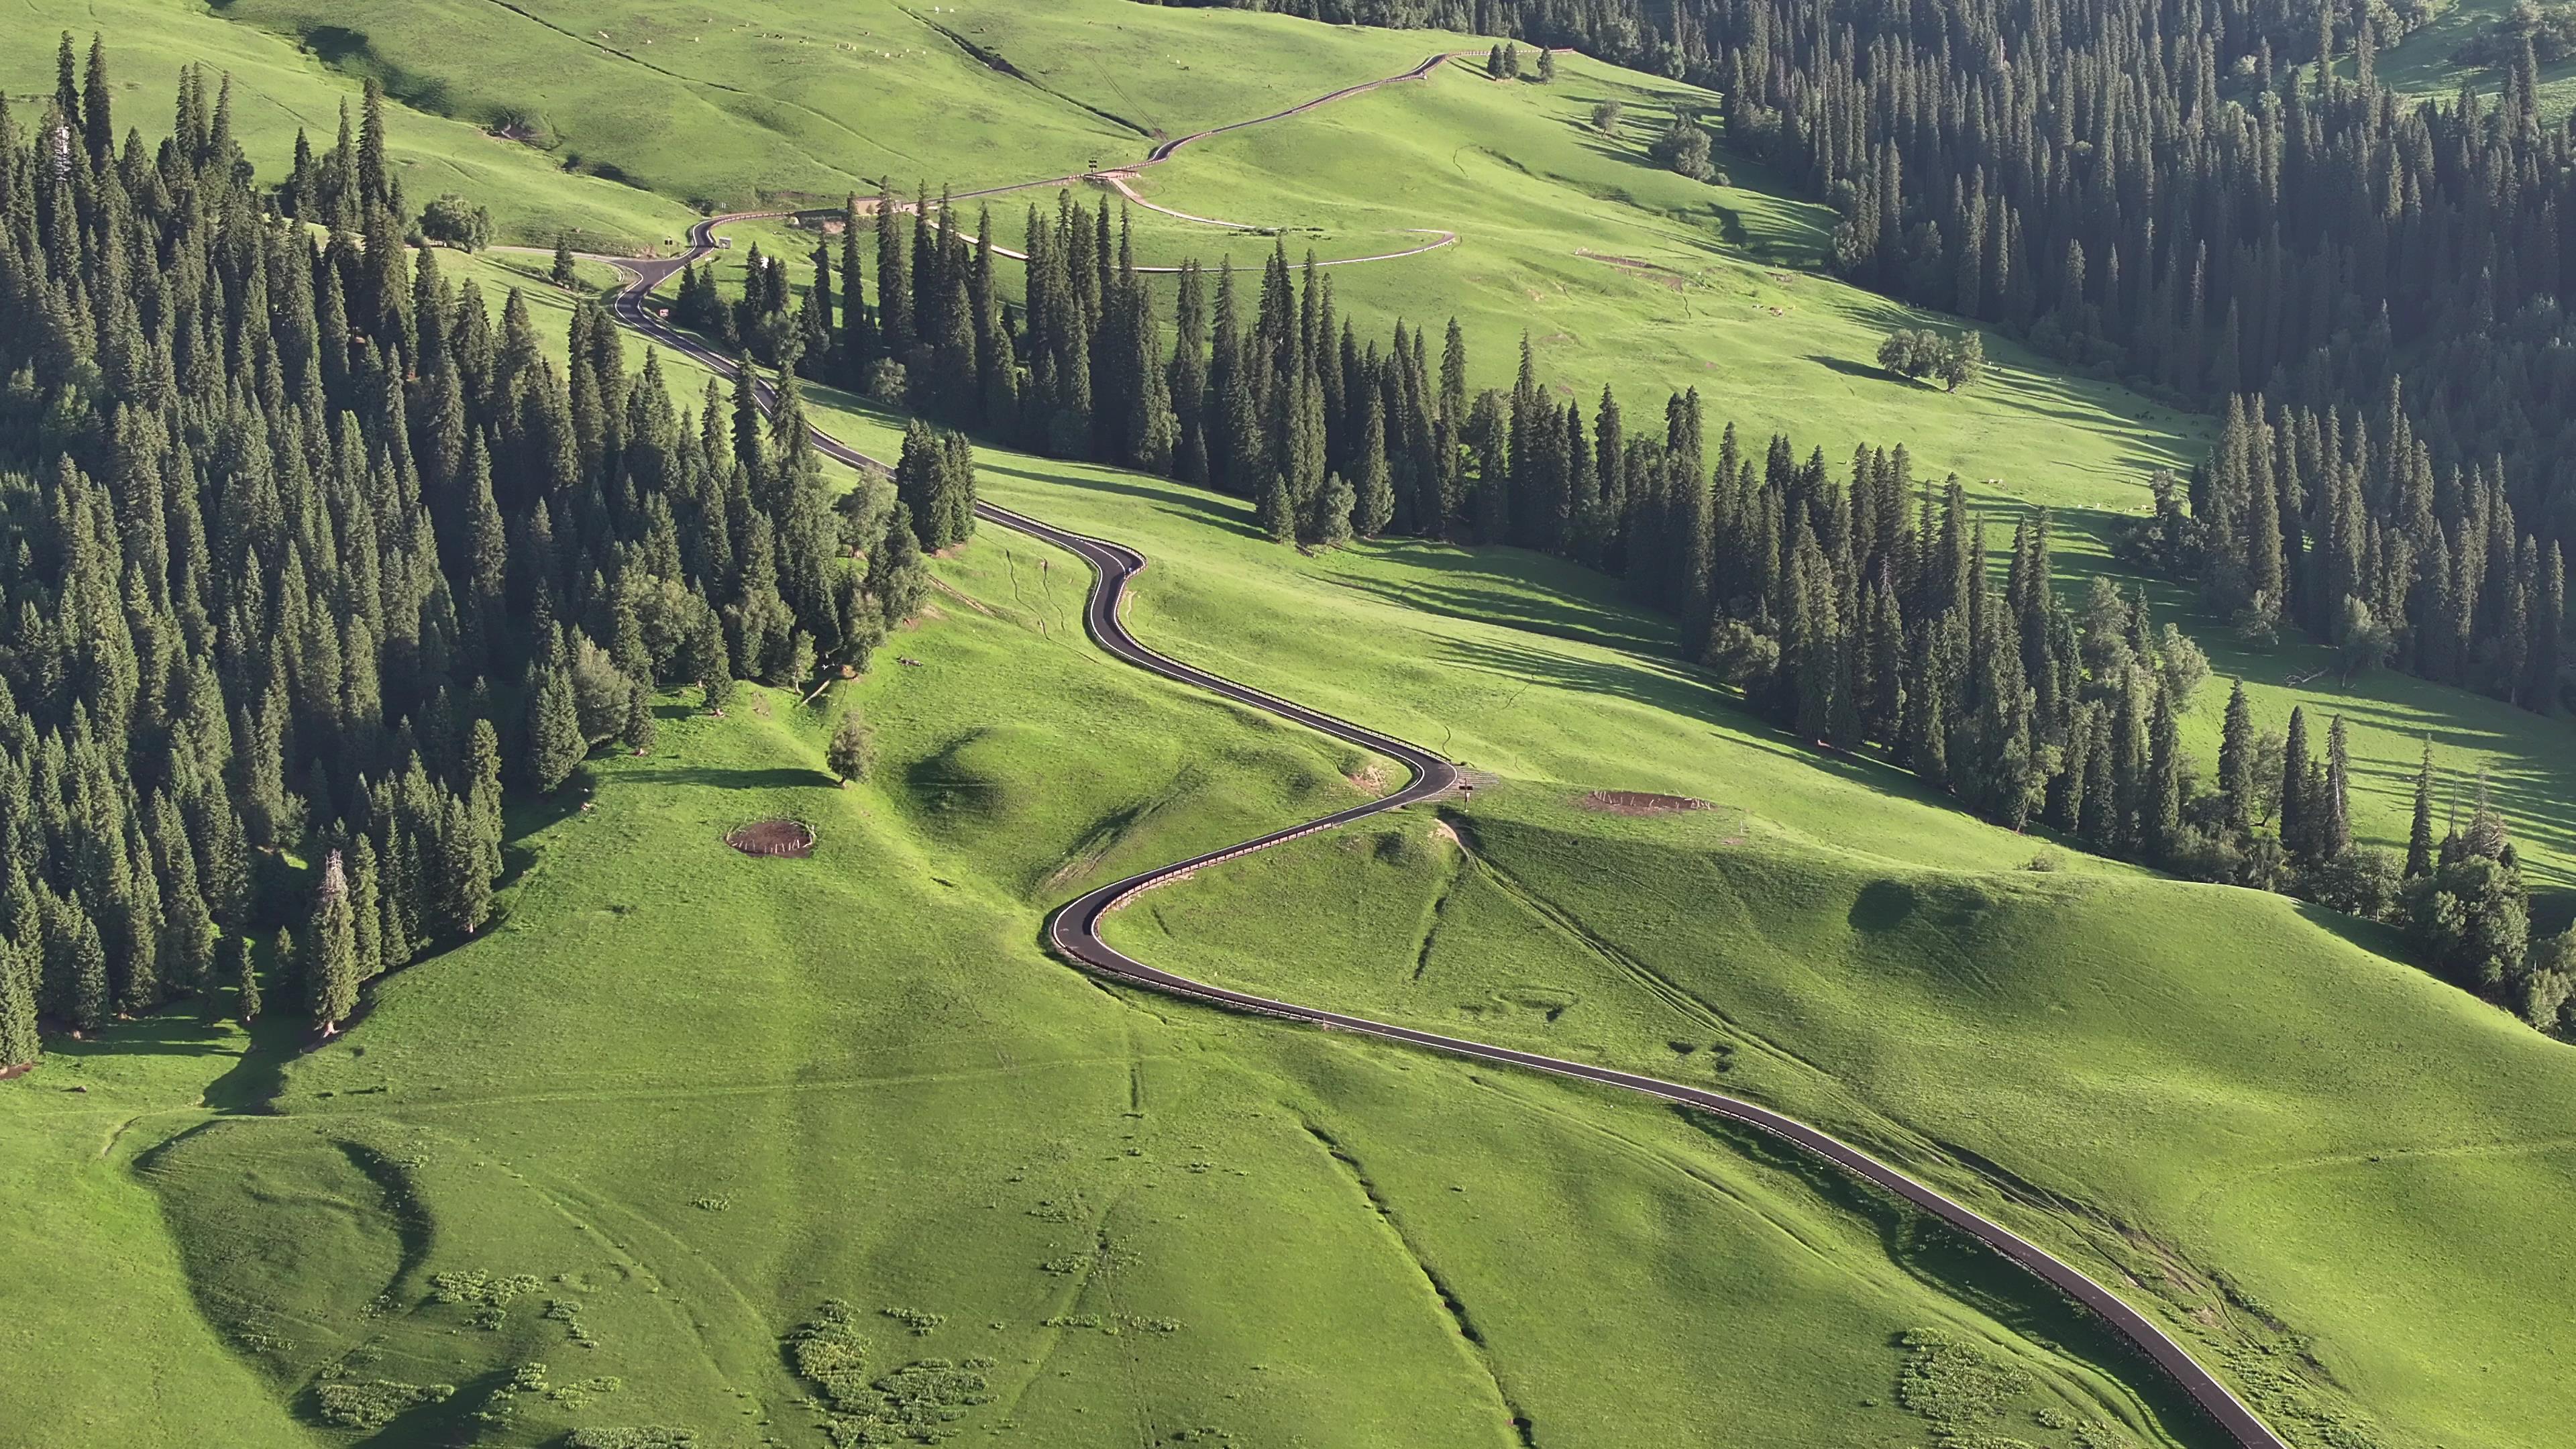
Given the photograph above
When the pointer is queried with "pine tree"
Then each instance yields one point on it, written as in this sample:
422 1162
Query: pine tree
2298 828
555 741
563 273
853 749
245 979
2419 834
638 732
2236 762
19 1044
331 950
2334 831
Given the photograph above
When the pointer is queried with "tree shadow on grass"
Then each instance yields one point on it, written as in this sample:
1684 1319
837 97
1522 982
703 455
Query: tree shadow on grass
1864 371
1473 586
771 777
1226 512
260 1073
1959 1267
522 819
2369 936
184 1029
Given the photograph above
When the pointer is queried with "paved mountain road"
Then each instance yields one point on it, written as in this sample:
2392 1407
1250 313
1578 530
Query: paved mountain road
1074 929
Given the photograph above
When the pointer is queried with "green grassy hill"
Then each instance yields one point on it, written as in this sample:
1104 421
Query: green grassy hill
1620 272
2231 1063
279 88
705 1093
694 1096
2426 63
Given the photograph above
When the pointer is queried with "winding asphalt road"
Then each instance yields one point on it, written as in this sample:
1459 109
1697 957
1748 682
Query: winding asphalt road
1074 930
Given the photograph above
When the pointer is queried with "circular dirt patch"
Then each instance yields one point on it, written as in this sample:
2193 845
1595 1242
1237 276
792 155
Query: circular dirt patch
1640 802
773 837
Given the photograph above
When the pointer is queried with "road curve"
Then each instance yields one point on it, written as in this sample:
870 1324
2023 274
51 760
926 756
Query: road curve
1073 931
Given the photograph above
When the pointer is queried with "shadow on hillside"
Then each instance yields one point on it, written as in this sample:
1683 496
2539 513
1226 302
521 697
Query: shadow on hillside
770 777
1207 507
1863 371
172 1032
522 818
1473 589
1964 1270
183 1029
2376 939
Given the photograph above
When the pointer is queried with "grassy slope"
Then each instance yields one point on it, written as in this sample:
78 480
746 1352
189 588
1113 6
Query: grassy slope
1641 695
2229 1063
1511 167
2223 1088
2422 64
2235 1060
1712 265
708 1091
891 1097
278 89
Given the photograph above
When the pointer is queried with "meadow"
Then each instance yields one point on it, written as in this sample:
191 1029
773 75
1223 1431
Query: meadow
2426 63
2210 1092
694 1096
1620 273
592 1170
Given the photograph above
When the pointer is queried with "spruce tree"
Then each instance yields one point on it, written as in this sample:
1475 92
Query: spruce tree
639 730
921 486
555 740
331 950
1329 520
2236 762
2334 831
2163 805
2419 834
1374 498
2298 829
853 749
894 321
465 883
563 273
19 1044
245 978
366 910
1276 509
85 971
898 577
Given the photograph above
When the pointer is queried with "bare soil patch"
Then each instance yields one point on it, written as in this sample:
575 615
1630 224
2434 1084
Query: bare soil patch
790 838
1369 780
1639 802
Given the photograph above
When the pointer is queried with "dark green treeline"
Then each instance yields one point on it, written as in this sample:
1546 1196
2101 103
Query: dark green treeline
2178 192
306 555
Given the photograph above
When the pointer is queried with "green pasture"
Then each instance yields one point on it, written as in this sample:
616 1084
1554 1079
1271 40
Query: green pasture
279 88
693 1095
678 1098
